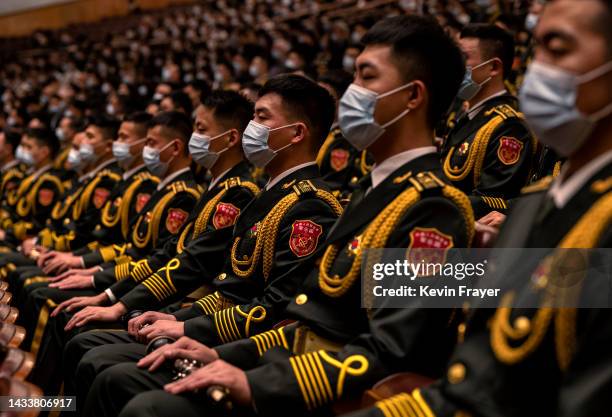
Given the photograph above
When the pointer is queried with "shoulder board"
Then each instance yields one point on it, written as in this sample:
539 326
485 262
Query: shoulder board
181 186
425 180
110 174
302 187
539 185
602 185
505 111
146 175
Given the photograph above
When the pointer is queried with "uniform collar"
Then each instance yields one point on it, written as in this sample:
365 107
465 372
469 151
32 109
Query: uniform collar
218 179
381 171
171 177
99 168
9 165
562 191
476 108
42 170
285 174
132 171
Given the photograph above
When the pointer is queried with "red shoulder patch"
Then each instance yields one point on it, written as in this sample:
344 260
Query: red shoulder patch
509 150
339 159
423 240
100 196
225 215
141 200
304 237
175 219
45 196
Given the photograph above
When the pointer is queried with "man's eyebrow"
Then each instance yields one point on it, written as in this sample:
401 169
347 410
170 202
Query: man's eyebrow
363 65
262 109
555 34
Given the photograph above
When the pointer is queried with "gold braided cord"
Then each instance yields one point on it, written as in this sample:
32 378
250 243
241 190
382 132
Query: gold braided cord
585 234
34 190
159 210
22 190
375 236
363 163
463 203
83 202
325 147
267 234
61 207
180 245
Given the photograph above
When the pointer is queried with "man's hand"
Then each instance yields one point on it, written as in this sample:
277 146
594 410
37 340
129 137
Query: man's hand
174 329
150 317
2 234
493 219
216 373
73 282
184 347
91 313
58 262
70 272
76 303
27 246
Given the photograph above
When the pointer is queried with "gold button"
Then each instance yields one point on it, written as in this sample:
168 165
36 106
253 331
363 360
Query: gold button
66 221
222 276
522 324
456 373
301 299
461 332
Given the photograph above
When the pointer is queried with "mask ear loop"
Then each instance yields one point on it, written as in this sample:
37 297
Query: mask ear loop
590 76
276 151
217 137
403 113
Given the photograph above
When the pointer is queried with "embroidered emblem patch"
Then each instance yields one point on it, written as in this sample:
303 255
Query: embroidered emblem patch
339 159
463 149
175 219
428 245
45 196
100 196
509 150
225 215
141 200
304 237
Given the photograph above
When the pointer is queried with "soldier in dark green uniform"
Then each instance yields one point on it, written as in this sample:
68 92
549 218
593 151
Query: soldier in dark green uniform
489 152
400 91
12 171
545 361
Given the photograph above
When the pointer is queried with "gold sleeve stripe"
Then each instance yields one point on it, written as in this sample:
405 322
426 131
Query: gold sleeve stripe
270 339
495 202
312 379
122 271
157 286
226 325
141 271
208 304
152 289
416 394
397 406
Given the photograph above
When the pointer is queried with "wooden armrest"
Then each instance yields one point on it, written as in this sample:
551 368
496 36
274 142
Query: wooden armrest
17 364
16 388
5 297
11 335
8 314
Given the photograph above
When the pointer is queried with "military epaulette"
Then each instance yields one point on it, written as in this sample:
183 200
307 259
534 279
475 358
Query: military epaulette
146 175
422 181
108 173
539 185
302 187
505 111
601 186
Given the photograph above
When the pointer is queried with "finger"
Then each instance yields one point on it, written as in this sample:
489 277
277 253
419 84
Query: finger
157 363
150 358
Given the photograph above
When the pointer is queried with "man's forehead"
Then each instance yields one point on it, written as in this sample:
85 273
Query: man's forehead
374 55
271 102
567 18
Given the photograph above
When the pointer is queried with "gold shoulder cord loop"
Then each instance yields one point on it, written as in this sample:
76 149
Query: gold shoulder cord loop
83 202
268 231
379 230
585 234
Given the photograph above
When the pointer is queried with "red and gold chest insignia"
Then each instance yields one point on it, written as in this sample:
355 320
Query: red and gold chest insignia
423 240
509 150
175 219
45 196
141 200
100 196
463 149
304 237
225 215
353 246
339 159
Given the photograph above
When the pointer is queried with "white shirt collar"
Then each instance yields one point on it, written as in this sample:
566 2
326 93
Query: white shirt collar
563 191
381 171
99 168
290 171
216 180
475 109
131 172
42 170
9 165
171 177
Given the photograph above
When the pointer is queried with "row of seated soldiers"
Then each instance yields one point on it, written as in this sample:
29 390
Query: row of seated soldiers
136 254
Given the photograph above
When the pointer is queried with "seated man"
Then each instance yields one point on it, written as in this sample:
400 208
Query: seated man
400 90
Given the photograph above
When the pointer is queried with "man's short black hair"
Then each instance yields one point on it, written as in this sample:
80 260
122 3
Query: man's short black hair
495 42
174 124
12 137
107 125
44 137
231 109
337 79
422 51
305 100
181 101
141 121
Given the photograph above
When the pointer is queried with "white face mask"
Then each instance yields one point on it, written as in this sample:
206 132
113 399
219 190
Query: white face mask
469 88
199 148
123 154
255 143
356 115
548 100
74 159
155 165
88 153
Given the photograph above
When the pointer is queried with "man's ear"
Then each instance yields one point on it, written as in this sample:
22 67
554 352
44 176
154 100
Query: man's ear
233 138
497 67
301 131
418 95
